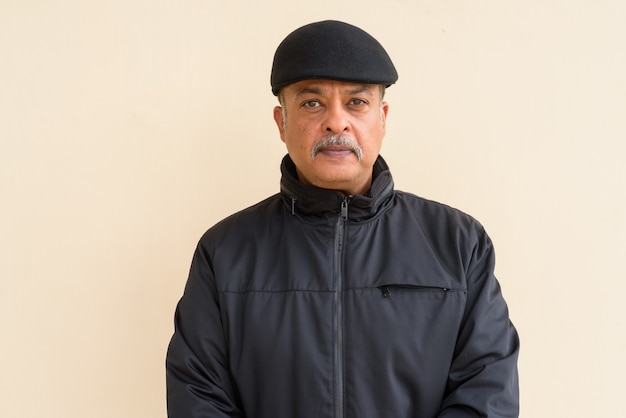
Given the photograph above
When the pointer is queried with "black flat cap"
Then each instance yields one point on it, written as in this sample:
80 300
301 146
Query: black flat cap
331 50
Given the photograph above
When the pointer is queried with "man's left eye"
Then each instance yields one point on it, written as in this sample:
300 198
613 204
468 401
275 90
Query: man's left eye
358 102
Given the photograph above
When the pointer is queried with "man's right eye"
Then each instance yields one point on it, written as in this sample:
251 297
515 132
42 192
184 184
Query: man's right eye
311 103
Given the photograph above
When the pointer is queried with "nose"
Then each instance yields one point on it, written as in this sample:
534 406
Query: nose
336 120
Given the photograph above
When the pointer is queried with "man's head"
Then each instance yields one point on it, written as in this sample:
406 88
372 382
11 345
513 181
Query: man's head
330 79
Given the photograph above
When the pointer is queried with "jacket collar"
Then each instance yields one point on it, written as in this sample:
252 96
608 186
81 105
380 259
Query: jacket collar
315 201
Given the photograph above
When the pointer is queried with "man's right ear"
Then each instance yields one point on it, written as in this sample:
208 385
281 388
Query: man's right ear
280 121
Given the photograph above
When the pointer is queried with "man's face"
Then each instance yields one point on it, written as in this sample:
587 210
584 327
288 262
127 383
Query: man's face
333 132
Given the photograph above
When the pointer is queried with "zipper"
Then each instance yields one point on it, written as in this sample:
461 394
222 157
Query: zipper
340 233
386 289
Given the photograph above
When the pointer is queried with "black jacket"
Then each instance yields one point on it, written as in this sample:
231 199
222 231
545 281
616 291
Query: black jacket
313 305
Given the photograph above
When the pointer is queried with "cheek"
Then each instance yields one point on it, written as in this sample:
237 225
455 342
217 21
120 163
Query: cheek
296 142
372 134
299 136
303 131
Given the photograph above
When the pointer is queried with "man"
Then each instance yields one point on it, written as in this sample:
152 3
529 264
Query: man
340 296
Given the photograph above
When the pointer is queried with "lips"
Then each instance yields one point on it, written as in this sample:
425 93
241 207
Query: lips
336 151
337 148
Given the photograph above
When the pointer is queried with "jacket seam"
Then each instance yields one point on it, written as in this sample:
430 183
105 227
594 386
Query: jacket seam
275 291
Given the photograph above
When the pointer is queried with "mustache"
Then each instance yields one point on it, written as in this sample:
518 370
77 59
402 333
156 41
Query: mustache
342 139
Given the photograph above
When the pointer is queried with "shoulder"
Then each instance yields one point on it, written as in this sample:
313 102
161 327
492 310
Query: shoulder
446 228
245 221
436 214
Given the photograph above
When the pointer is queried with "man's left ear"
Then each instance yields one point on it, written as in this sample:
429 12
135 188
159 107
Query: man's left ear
384 107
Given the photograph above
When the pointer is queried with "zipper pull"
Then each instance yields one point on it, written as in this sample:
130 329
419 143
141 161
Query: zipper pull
293 204
344 209
386 292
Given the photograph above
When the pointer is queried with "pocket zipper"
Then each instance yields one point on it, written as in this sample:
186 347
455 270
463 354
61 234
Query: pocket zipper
387 293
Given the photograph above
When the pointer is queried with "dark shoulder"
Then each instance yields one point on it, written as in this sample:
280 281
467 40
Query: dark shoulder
245 221
435 216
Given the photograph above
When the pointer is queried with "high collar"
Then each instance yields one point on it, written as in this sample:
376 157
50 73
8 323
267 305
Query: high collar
315 201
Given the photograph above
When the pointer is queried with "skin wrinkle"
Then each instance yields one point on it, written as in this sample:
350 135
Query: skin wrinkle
281 101
335 131
332 139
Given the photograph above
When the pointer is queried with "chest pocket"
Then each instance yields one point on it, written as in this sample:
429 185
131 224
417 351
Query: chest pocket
388 290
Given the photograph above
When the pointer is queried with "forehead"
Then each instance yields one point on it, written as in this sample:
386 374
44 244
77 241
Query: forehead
327 87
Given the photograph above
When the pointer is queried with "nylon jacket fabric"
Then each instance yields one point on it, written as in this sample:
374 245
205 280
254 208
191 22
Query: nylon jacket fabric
313 305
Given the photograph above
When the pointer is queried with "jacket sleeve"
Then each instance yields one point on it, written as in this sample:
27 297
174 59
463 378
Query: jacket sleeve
197 372
483 378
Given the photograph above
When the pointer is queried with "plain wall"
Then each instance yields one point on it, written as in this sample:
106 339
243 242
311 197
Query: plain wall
127 128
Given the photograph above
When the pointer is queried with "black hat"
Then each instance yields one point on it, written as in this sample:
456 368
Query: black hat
331 50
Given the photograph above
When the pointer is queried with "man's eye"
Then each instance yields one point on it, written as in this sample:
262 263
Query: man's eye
358 102
311 103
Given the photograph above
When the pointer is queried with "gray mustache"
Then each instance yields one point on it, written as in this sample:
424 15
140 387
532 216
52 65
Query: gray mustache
344 140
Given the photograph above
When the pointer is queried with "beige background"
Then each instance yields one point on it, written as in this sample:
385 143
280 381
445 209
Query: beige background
127 128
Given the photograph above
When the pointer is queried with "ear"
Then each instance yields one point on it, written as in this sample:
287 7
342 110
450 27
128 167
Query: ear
384 109
278 118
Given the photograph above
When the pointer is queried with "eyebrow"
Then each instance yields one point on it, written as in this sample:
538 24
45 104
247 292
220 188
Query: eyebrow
317 90
361 89
308 90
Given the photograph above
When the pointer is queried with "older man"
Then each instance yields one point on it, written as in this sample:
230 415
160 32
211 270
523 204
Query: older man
340 296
